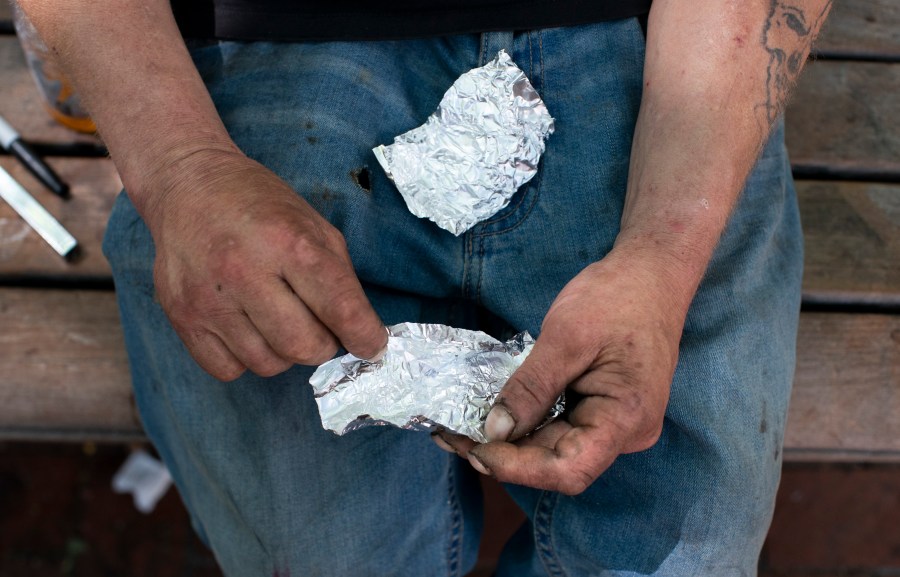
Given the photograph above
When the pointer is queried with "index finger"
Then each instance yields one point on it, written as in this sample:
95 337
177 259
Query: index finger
333 293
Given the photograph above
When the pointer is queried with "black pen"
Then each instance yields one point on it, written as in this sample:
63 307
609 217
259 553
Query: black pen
11 141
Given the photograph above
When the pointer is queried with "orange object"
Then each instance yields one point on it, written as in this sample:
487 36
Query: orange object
79 123
60 99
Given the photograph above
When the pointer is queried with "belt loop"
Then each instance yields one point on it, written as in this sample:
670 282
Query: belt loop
493 42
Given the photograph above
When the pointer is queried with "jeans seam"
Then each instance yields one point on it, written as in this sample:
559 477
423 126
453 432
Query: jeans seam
456 521
541 61
511 210
543 538
481 273
535 189
535 194
530 55
468 263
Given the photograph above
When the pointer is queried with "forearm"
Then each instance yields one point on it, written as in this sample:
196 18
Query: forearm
716 76
131 68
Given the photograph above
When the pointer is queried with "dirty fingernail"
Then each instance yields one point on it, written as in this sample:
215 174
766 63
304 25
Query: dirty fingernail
380 355
440 442
499 424
479 466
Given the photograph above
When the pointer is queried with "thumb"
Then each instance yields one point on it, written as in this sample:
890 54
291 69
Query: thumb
530 392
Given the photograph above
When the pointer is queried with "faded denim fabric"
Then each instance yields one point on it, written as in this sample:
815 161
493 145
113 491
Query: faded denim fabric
274 494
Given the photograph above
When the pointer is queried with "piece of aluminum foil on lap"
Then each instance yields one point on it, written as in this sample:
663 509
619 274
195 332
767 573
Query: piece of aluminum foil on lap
469 158
430 376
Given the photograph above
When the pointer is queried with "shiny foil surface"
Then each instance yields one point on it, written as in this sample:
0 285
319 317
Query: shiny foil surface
469 158
431 375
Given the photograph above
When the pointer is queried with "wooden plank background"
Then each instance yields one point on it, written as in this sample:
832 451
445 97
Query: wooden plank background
64 366
844 115
862 29
63 372
94 183
846 399
852 235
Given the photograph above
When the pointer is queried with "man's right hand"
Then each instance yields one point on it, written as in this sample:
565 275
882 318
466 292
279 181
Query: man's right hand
249 274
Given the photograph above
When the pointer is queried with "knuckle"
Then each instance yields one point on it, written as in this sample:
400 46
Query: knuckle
649 437
186 322
576 338
272 368
166 297
281 234
226 373
324 351
641 420
535 388
259 360
180 314
307 251
179 304
231 266
310 349
576 481
267 365
290 348
335 240
632 402
211 360
286 341
581 334
347 314
344 310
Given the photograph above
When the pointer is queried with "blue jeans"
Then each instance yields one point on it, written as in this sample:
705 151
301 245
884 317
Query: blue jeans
274 494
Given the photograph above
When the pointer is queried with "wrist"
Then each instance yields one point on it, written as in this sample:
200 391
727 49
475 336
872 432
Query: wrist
185 170
671 272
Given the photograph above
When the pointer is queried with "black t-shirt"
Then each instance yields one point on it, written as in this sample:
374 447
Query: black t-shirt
386 19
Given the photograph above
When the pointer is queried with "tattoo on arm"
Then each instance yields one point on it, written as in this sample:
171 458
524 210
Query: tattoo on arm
787 36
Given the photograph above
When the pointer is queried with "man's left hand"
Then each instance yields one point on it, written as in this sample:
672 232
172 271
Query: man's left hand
611 336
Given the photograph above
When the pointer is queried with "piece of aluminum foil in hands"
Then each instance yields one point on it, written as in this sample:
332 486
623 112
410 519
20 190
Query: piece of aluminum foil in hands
430 376
469 158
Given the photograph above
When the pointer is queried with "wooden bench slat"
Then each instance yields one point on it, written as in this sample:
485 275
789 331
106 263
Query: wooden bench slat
846 401
863 27
63 374
852 235
94 184
62 363
845 115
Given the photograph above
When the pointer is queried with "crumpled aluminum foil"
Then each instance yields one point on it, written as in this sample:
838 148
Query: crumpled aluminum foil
469 158
431 375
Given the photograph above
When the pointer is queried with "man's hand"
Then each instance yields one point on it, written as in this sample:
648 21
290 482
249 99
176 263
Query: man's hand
249 274
715 78
611 336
